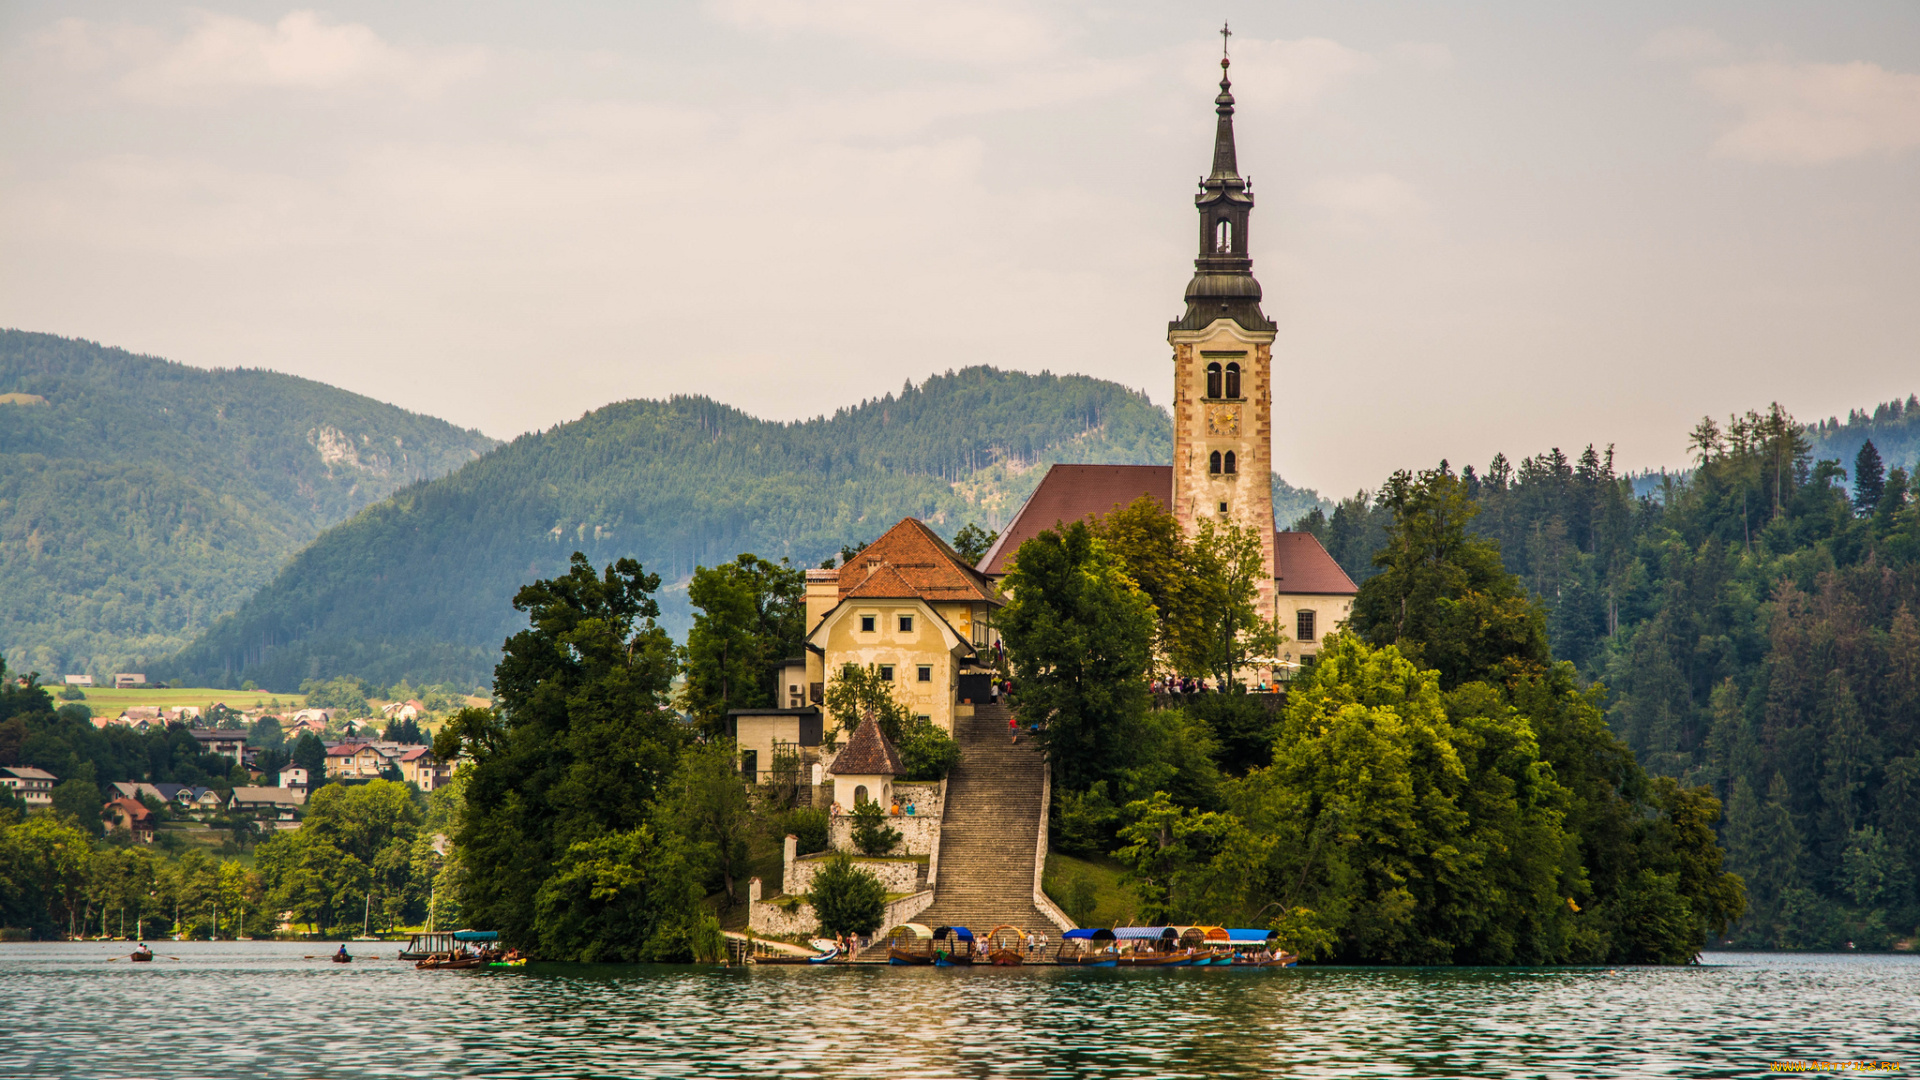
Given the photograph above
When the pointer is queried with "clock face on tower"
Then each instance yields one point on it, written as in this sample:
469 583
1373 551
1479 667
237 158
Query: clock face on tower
1223 420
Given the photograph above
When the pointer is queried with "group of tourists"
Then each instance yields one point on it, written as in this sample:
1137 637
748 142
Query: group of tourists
1036 942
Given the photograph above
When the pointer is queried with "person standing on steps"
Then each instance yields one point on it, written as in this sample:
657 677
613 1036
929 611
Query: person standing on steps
1013 729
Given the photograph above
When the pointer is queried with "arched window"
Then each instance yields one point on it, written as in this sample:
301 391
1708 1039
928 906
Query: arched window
860 795
1213 462
1223 236
1233 380
1213 380
1229 463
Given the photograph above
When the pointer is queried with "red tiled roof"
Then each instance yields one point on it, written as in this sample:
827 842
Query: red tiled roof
1071 492
416 752
868 753
910 560
1301 565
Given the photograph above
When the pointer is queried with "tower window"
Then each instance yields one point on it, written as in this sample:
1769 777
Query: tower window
1213 462
1233 383
1223 236
925 673
1213 380
1303 624
1223 507
1227 465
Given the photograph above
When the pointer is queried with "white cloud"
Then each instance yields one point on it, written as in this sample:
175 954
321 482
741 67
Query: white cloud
1806 114
1686 44
224 53
986 32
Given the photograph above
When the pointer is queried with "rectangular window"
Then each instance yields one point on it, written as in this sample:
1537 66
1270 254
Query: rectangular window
866 624
886 672
1303 625
906 624
926 672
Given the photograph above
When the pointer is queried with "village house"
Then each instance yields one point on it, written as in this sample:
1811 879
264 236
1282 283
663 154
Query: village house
128 680
129 814
77 680
30 785
420 768
266 803
228 744
403 710
355 760
864 771
294 777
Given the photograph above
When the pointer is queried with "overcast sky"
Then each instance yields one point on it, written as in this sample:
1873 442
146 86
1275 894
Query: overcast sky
1480 227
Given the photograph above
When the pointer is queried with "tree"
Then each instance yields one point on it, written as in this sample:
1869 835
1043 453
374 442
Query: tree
347 693
871 834
404 731
972 542
751 613
266 734
310 753
565 772
1149 544
1442 595
1079 636
855 693
847 899
1228 564
1869 479
706 802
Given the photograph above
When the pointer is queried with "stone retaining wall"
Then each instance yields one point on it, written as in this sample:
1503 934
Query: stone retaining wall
896 875
776 920
919 831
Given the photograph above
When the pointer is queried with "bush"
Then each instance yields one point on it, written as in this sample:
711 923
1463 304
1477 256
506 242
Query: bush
927 752
72 693
808 826
870 832
847 899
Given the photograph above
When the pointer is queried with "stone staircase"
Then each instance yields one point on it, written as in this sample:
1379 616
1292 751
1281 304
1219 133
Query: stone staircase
989 833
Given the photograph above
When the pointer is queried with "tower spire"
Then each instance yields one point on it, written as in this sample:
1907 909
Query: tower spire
1224 163
1223 286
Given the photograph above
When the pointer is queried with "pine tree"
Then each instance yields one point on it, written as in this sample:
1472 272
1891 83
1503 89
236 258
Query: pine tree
1869 479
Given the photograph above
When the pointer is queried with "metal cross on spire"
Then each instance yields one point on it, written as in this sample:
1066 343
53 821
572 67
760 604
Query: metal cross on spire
1224 35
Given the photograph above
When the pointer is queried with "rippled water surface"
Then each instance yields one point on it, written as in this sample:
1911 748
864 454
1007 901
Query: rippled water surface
265 1010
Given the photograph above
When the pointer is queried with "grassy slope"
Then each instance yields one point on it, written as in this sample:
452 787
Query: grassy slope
140 499
1114 903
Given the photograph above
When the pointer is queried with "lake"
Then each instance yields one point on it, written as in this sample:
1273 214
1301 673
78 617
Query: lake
263 1010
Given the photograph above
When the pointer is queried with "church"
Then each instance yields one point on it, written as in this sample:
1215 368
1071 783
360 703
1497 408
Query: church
1222 427
911 606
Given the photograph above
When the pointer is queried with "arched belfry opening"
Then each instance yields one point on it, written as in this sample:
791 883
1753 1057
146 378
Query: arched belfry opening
1223 237
1213 380
1233 383
1213 463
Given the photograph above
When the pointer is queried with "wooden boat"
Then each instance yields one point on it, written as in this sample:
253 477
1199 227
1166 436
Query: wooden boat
443 941
342 958
953 946
142 957
910 944
1150 946
1258 948
1006 946
1087 948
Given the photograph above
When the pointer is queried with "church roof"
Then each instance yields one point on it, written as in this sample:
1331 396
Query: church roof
1071 492
868 753
911 561
1302 566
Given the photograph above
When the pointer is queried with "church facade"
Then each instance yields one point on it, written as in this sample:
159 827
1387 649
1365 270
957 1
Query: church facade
1222 425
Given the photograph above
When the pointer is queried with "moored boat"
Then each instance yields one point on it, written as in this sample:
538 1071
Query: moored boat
910 944
1087 948
952 946
828 950
1149 946
1258 948
1006 946
450 962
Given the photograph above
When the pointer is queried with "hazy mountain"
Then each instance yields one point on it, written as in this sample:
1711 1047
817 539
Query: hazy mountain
140 499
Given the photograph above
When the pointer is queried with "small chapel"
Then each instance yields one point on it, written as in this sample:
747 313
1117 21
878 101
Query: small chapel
912 607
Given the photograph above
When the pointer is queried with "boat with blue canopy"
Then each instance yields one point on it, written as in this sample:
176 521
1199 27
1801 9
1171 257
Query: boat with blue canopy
952 946
1088 948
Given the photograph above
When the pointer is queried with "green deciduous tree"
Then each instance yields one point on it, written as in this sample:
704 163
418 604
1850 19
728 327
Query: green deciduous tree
847 899
1079 636
752 612
565 773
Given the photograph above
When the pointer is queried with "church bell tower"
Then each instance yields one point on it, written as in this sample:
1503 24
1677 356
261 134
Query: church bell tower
1222 362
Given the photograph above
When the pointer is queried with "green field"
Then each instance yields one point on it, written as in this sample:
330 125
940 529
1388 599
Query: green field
109 702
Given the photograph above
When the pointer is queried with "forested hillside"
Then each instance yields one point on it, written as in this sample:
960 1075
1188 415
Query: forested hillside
140 499
418 586
1754 623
